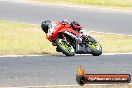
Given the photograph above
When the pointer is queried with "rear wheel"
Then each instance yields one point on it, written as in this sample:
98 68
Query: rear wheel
66 48
96 48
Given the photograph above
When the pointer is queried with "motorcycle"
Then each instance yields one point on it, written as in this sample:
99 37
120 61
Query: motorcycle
69 41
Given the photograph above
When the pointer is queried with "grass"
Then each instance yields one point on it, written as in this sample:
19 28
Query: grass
16 38
102 3
25 39
113 43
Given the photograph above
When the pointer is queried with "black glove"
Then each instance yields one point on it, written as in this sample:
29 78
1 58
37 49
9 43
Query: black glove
64 22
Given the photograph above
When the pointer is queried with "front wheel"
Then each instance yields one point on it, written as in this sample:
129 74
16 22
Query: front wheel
65 48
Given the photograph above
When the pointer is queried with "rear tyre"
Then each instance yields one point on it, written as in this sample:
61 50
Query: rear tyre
95 51
96 48
66 49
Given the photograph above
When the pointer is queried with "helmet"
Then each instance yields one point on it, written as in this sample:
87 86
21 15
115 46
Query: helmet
45 25
76 26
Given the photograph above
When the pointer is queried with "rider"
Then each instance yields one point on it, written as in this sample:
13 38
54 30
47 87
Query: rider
76 26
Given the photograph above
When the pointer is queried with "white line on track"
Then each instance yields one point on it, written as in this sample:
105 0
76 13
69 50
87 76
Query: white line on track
109 33
21 55
75 86
85 31
116 53
51 55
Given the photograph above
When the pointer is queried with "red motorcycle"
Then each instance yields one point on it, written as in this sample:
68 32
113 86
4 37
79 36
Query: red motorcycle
69 41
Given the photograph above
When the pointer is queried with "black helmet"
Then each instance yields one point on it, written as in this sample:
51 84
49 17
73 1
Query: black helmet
76 26
45 25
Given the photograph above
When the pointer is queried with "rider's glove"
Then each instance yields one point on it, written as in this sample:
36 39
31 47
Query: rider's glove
64 22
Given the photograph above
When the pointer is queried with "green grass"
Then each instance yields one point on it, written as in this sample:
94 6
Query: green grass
16 38
106 3
113 43
25 39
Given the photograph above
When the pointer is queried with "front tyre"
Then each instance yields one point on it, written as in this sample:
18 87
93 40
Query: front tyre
65 48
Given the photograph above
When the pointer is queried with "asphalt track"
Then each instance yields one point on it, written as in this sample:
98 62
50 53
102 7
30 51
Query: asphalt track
58 70
96 20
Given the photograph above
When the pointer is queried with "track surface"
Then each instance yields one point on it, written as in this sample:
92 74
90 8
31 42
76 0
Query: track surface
95 20
50 70
55 70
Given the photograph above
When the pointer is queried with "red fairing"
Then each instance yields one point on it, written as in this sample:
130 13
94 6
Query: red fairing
61 28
